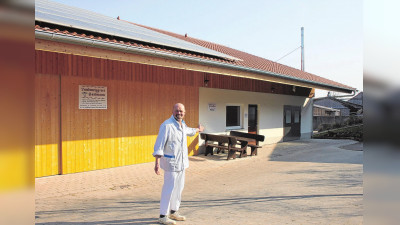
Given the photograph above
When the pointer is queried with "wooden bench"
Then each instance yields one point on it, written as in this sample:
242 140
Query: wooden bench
256 137
223 142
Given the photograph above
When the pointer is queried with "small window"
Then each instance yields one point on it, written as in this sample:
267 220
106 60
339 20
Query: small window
233 116
288 116
296 116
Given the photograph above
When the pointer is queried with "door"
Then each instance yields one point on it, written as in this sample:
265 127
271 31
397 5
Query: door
291 122
252 119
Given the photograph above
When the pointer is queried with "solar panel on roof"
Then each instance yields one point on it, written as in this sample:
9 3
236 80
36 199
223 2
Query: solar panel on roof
68 16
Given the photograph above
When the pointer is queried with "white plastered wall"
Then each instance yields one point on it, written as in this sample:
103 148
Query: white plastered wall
270 112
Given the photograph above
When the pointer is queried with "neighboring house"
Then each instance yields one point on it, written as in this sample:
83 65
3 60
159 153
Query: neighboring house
322 116
331 110
358 100
346 108
319 110
103 87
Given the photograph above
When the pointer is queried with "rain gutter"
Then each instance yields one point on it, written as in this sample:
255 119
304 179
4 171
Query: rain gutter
45 35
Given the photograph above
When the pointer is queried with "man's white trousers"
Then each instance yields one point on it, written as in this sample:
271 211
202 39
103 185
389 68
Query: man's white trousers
172 191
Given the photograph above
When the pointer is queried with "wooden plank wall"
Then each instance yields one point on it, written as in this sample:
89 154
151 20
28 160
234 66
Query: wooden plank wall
125 133
73 65
140 98
47 124
244 84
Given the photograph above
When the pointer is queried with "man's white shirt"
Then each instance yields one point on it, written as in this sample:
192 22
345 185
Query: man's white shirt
171 145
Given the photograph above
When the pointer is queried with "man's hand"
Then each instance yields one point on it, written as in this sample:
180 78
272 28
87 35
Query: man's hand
157 169
157 165
201 128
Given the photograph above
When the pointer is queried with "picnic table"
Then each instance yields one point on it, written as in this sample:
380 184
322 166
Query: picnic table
255 139
231 143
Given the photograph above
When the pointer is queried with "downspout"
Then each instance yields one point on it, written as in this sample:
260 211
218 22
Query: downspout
132 49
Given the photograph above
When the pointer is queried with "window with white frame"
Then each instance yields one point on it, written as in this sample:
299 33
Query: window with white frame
233 119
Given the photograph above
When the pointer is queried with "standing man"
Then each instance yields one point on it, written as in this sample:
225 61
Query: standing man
171 153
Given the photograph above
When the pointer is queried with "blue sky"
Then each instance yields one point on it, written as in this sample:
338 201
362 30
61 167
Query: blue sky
269 29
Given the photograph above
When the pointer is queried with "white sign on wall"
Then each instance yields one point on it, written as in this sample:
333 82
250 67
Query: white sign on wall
212 107
92 97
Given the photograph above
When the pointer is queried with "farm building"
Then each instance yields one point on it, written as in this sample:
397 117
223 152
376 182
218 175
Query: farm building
352 106
103 87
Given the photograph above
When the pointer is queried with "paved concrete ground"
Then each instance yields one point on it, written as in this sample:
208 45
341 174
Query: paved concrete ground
299 182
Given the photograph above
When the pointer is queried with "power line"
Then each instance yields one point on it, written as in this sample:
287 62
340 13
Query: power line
288 54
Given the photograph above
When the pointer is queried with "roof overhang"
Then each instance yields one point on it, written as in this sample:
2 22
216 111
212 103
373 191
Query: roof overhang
228 69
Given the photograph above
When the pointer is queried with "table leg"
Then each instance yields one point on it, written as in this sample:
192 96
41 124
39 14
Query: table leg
231 154
209 150
253 150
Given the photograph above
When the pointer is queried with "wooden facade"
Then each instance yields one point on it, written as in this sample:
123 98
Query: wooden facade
139 98
325 111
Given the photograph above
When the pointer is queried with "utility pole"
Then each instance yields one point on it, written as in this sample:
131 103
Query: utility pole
302 48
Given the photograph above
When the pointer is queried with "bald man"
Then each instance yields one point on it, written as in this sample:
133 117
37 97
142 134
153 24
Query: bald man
171 154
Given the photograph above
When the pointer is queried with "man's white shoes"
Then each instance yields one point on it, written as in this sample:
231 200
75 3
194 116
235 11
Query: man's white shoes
166 220
176 216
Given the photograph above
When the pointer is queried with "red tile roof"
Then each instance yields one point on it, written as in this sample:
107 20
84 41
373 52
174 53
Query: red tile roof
247 60
134 43
252 61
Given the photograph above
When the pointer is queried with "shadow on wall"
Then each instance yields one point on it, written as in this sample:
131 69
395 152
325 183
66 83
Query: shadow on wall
69 139
192 146
134 109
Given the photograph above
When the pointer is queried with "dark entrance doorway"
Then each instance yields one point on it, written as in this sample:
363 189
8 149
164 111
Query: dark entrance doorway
252 119
291 122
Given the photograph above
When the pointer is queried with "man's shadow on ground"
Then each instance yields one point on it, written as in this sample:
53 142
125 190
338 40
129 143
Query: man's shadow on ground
108 222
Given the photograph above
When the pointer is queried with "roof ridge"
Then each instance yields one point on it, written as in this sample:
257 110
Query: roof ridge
241 52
